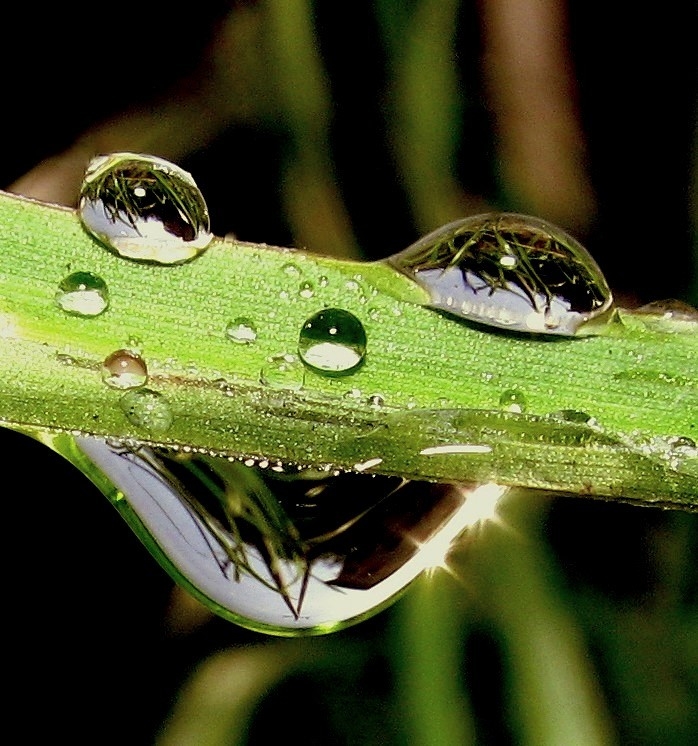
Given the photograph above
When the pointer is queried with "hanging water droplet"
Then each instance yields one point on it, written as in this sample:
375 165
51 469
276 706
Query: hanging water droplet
82 294
512 272
512 400
147 409
242 330
332 342
280 555
124 369
144 208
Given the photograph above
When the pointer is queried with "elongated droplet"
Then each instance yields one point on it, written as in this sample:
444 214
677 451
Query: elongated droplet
332 342
147 410
144 208
278 555
512 272
83 294
124 369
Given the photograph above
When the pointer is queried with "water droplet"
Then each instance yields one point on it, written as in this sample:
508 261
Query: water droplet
292 270
124 369
82 294
323 281
306 290
669 309
242 330
147 409
512 272
332 342
376 400
283 371
576 417
512 400
144 208
282 555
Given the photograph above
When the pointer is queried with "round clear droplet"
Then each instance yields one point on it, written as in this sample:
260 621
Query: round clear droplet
511 272
144 208
512 400
242 330
148 410
332 342
82 294
124 369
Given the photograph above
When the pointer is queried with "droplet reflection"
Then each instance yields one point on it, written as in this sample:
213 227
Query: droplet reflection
144 208
280 555
512 272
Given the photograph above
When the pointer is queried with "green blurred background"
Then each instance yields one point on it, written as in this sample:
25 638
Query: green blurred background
352 129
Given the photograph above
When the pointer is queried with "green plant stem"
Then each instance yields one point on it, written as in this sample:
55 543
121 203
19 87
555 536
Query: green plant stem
427 380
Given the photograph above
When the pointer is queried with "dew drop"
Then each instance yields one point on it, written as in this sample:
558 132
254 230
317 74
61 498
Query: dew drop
305 555
144 208
124 369
575 416
512 400
147 409
511 272
376 400
242 330
332 342
306 289
669 309
283 371
82 294
292 270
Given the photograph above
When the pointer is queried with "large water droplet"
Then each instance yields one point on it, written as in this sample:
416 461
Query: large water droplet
281 555
144 208
124 369
148 410
332 342
512 272
82 294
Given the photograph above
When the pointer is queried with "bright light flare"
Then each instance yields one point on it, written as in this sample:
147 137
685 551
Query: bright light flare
480 506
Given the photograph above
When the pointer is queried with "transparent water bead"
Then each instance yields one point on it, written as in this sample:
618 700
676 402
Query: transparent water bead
144 208
82 294
242 330
124 369
288 556
512 272
147 410
332 342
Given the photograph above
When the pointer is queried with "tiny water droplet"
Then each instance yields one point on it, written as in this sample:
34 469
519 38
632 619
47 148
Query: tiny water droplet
306 289
147 409
669 309
292 270
512 400
82 294
575 416
374 314
144 208
323 281
512 272
376 400
283 371
332 342
124 369
242 330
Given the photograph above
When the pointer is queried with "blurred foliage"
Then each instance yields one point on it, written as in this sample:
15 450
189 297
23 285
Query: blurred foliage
353 129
